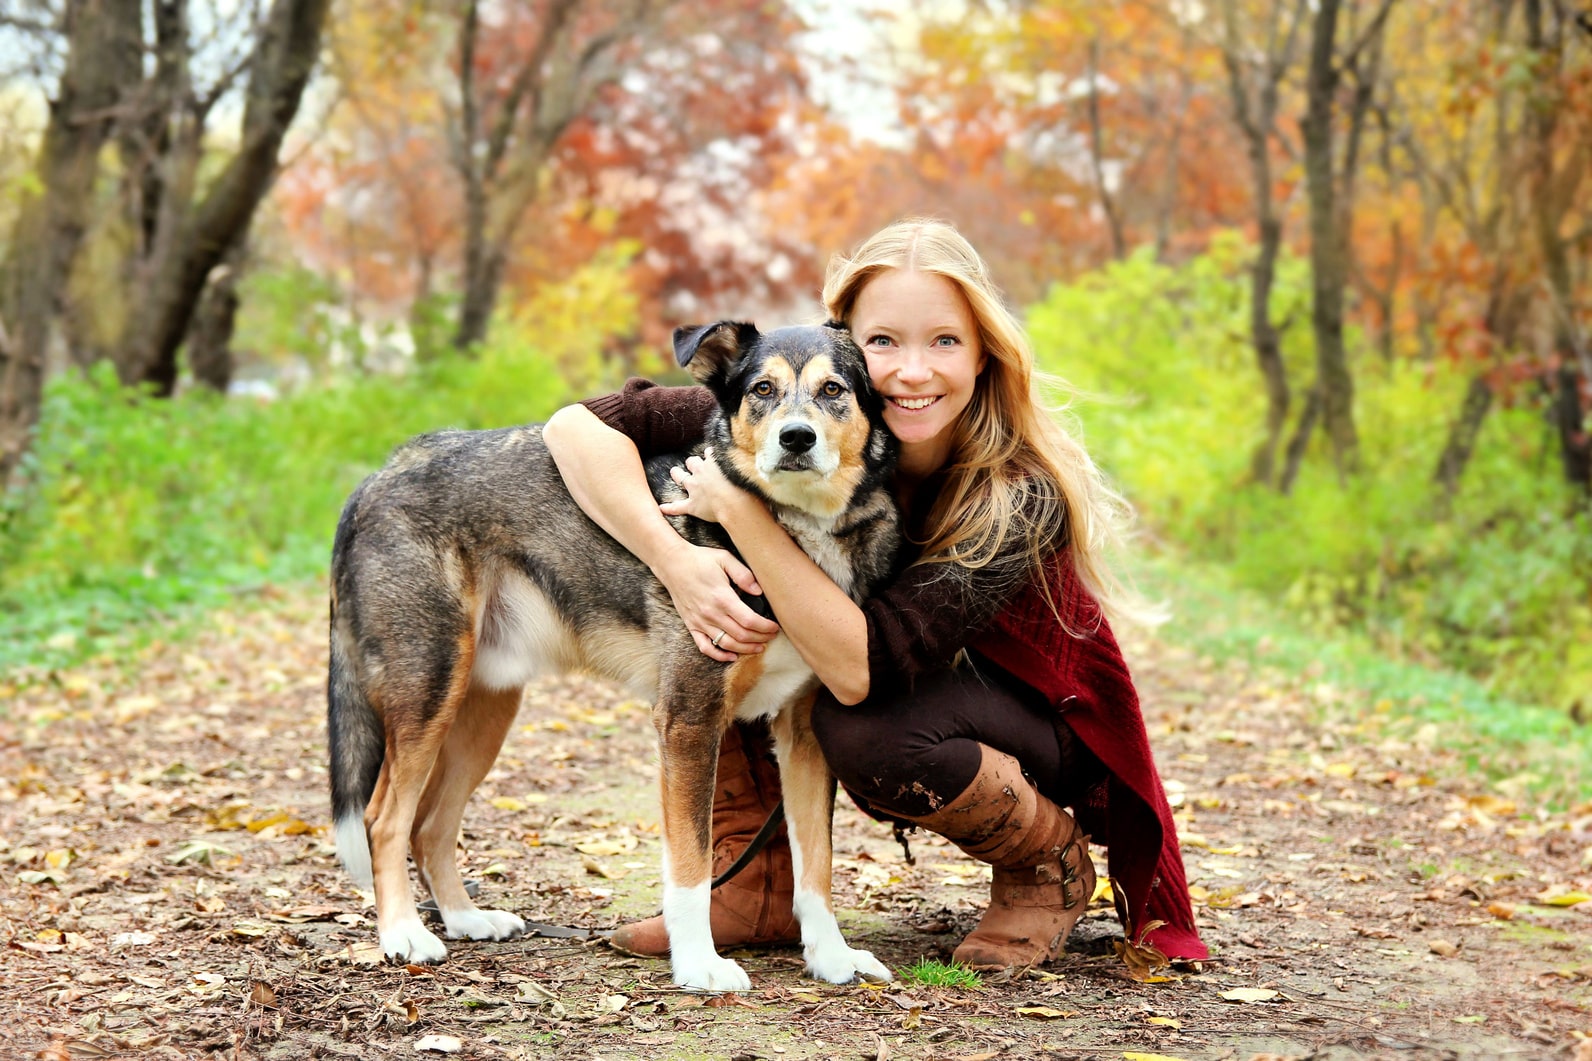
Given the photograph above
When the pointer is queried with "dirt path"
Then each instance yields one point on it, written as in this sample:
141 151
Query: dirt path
168 889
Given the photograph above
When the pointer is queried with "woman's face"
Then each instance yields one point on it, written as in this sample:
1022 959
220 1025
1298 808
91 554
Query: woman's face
924 355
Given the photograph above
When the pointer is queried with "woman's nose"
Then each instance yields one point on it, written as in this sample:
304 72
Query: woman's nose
914 367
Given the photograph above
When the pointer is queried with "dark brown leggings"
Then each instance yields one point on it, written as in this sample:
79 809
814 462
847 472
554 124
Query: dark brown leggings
911 752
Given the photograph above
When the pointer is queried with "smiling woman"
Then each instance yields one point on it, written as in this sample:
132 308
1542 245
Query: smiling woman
924 354
979 693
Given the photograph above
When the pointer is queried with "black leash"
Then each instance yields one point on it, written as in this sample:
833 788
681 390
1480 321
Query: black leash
540 928
760 841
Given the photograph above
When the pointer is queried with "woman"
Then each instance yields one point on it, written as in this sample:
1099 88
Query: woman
979 693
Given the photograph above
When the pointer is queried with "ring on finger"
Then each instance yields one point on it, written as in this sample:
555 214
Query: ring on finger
716 640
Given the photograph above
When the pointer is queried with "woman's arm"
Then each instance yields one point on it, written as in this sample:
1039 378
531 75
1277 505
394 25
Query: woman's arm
826 627
604 474
918 623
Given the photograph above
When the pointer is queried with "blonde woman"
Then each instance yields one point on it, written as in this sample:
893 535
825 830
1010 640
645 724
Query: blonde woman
978 695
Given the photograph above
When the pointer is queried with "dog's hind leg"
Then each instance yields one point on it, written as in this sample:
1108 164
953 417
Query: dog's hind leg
420 702
468 752
412 748
688 753
809 790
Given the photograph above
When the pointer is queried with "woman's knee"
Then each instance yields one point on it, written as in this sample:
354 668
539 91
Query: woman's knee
855 745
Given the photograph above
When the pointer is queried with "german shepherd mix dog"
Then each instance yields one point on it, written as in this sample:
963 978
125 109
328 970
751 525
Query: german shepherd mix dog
463 569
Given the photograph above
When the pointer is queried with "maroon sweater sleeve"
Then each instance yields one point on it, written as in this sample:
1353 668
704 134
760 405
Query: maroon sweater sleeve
657 419
919 622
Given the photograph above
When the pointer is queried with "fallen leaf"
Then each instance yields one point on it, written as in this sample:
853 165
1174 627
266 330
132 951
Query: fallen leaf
1164 1022
1550 898
201 851
597 869
508 803
262 994
438 1044
1043 1013
1131 1056
1250 994
1443 948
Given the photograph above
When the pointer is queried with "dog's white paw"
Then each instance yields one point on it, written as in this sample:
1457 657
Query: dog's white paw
842 964
482 924
409 941
711 973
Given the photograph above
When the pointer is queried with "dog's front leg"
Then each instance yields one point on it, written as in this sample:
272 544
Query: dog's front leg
688 755
809 790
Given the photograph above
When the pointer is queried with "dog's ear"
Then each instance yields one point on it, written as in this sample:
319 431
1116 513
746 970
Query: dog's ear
839 326
709 350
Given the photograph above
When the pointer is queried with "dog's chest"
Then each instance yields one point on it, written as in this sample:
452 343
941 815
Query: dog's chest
817 539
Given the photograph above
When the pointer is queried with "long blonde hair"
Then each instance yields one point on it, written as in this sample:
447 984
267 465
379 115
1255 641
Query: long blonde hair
1014 469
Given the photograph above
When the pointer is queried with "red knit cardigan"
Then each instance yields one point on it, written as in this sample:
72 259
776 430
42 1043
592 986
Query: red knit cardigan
1087 680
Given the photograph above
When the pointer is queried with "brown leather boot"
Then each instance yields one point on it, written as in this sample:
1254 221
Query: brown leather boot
1043 875
753 908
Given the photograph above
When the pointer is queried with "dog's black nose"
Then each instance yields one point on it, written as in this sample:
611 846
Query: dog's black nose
797 438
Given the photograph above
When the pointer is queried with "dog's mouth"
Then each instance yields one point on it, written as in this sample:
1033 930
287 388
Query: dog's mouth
795 462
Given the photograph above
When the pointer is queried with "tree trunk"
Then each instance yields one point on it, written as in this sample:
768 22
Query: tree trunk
1569 419
199 235
1258 121
1462 436
1328 248
1301 440
1119 246
1267 343
1553 187
51 220
209 343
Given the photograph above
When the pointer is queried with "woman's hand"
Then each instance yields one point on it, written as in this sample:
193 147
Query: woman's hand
699 582
720 622
708 492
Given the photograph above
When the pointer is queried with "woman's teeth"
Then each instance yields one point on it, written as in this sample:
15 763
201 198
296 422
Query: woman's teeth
915 403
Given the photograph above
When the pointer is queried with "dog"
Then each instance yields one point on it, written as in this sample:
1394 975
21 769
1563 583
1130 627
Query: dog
463 569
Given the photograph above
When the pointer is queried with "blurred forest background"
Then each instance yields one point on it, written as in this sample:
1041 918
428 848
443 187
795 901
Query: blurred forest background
1320 268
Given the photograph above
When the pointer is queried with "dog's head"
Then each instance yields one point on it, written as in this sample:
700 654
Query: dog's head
800 422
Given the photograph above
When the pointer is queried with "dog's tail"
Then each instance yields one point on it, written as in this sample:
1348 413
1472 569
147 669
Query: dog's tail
357 743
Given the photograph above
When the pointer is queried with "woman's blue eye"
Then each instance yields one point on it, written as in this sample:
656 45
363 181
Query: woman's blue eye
946 340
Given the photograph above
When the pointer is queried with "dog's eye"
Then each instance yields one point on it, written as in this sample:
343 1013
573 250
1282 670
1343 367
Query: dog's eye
762 388
831 389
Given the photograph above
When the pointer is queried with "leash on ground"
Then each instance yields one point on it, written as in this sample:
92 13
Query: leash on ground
776 818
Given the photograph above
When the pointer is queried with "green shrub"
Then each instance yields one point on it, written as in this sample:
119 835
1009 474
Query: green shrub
1497 585
133 504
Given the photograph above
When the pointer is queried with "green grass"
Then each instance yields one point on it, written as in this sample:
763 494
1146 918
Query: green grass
1514 744
938 974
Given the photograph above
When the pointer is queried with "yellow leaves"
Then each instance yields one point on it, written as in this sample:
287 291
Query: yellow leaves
1443 948
232 816
602 845
1559 896
1133 1055
508 803
1164 1022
